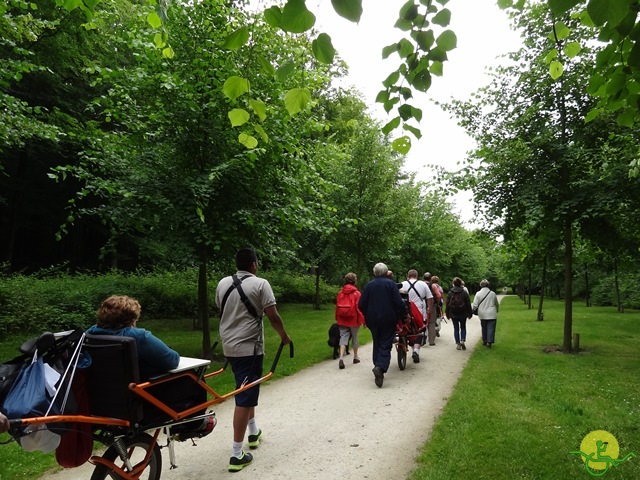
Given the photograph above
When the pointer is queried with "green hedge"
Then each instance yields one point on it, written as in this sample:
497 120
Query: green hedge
58 301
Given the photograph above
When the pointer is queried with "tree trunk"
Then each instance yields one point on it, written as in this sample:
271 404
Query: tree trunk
617 286
542 287
529 296
203 301
568 286
316 303
586 284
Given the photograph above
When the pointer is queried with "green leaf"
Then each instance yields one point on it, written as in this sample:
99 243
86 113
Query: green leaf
247 140
442 18
273 16
238 116
237 39
323 49
555 69
91 4
266 65
552 55
388 105
388 50
392 125
422 81
296 18
405 48
383 96
70 5
401 145
405 112
261 132
285 70
627 117
153 18
437 55
561 30
200 214
297 100
425 39
447 40
616 83
159 39
391 79
436 69
559 7
168 52
259 108
235 86
349 9
409 11
404 25
572 49
416 131
593 114
611 12
502 4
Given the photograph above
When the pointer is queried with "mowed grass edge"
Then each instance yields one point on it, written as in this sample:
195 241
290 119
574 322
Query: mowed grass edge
517 412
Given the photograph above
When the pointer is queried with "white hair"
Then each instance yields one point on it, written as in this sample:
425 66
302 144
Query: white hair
380 270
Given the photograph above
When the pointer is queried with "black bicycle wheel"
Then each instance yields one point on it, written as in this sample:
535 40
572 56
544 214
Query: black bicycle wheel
137 448
402 355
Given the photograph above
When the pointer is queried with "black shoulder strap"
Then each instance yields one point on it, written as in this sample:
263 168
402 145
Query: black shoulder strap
413 285
237 284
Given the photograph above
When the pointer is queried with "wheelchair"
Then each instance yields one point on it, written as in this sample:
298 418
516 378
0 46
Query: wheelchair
125 414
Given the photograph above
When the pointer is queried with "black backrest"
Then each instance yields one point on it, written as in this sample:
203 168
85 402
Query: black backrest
114 365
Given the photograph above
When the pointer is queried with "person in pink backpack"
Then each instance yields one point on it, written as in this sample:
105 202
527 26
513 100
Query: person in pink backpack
349 317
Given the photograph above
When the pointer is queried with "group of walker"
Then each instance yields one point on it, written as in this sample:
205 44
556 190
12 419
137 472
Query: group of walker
412 320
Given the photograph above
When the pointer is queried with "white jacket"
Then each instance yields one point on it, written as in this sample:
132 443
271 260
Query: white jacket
488 309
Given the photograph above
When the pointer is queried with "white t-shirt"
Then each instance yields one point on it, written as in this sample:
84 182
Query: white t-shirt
242 335
419 294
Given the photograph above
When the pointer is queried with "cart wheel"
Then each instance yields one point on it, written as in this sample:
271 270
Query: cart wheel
137 448
402 355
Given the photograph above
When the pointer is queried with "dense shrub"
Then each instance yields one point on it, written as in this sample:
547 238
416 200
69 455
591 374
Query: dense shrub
58 301
603 293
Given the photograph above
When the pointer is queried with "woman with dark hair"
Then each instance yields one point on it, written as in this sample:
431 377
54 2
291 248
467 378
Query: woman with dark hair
119 315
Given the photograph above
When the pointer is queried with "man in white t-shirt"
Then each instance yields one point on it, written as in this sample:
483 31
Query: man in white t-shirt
420 294
243 299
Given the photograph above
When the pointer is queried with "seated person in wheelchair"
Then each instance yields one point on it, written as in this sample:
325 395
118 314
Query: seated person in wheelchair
118 315
413 324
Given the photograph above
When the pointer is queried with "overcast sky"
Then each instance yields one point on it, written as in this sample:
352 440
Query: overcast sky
483 35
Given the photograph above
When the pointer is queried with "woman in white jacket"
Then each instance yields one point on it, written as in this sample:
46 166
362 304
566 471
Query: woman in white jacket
487 304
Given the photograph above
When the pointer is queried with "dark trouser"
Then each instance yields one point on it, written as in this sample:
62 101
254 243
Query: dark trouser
383 337
460 329
488 330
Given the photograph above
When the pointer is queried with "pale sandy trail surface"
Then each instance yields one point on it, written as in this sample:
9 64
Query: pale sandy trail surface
328 424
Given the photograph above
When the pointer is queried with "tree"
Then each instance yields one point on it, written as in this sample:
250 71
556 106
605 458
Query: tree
535 147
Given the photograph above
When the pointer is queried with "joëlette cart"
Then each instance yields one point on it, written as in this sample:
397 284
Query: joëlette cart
124 414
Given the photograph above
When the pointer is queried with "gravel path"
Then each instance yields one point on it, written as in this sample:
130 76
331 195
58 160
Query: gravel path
329 424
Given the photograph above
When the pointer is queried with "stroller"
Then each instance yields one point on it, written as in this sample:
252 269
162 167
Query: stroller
120 411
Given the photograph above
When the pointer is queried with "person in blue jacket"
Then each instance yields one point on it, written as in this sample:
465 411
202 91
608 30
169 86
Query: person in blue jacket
118 315
382 306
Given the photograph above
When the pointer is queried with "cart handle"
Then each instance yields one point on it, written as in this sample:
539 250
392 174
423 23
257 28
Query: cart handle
275 360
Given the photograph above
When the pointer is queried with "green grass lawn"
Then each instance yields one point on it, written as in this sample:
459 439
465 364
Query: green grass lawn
516 412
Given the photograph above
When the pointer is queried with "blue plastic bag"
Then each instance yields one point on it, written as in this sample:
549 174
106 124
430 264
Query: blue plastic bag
28 395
